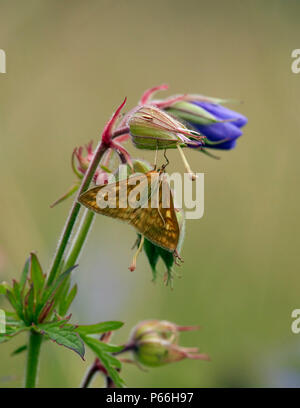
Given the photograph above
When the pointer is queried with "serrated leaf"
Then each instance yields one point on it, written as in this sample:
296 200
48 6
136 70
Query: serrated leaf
99 327
64 336
108 361
67 301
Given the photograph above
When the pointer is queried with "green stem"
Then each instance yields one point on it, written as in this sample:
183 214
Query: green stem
33 353
66 234
79 239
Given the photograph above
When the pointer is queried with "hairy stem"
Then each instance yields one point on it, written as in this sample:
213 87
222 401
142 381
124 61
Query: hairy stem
33 353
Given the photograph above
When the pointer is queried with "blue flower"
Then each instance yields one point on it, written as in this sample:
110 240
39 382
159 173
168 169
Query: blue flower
216 132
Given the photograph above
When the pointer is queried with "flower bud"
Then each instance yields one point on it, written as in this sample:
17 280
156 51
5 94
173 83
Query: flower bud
191 113
155 343
151 128
221 126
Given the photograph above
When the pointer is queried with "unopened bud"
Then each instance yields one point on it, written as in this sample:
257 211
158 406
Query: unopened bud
151 128
156 343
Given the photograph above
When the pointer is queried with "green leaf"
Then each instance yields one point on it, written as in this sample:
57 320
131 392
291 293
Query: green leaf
12 318
15 299
29 306
111 348
25 273
36 275
68 194
99 327
12 330
67 299
64 336
19 350
56 323
53 288
109 362
3 288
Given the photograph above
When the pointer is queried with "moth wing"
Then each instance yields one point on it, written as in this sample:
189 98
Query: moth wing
159 225
114 195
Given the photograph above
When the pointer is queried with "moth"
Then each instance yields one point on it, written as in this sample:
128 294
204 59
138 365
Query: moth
144 201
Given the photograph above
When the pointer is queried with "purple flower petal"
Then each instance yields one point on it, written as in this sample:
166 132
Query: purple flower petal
223 113
218 132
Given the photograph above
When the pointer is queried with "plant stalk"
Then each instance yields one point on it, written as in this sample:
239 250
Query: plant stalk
74 213
80 237
33 353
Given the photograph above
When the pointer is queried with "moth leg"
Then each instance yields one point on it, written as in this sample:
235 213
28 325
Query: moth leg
155 158
177 258
134 259
161 216
167 160
136 244
158 209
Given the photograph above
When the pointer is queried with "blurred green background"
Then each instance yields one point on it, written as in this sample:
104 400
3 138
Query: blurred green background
69 64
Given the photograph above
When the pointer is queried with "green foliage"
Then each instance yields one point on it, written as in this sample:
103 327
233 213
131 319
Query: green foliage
62 335
98 328
30 298
67 299
103 352
19 350
33 302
